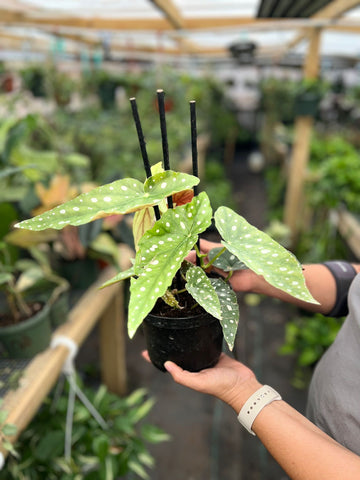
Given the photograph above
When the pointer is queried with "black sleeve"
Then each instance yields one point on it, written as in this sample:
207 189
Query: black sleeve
344 273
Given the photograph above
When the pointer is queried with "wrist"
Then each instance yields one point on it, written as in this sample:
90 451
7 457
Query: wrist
240 394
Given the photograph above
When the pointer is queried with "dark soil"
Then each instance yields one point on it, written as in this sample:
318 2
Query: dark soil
7 318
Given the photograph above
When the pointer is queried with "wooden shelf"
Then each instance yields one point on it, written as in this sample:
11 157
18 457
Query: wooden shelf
104 307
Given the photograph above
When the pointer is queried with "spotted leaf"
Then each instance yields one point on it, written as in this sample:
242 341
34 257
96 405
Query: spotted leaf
229 309
227 261
119 197
262 254
201 289
119 276
161 252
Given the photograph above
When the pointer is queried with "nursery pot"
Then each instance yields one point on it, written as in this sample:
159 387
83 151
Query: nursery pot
193 343
26 339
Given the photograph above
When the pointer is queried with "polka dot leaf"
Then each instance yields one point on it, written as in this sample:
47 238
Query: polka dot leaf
229 309
200 288
227 260
120 276
161 252
262 254
122 196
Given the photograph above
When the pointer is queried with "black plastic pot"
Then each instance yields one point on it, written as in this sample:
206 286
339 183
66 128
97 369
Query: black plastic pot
193 343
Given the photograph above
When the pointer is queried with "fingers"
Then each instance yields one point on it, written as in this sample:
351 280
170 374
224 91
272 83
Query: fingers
145 355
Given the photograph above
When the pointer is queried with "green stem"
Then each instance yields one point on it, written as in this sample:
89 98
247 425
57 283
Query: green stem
215 258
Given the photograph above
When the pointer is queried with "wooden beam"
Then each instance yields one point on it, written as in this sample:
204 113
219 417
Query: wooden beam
171 12
300 152
333 10
132 24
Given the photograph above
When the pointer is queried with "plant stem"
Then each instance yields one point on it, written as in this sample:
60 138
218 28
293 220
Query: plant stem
142 146
215 258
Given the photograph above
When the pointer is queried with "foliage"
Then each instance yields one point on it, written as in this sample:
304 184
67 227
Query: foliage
33 79
21 278
307 338
7 430
277 98
335 173
163 248
96 453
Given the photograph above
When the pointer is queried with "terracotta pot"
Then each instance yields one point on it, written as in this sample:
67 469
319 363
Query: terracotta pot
193 343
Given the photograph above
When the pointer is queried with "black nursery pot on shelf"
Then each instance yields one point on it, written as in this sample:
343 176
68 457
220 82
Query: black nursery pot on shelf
193 343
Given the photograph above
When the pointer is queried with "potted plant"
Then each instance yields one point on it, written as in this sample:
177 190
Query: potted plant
166 228
30 294
308 97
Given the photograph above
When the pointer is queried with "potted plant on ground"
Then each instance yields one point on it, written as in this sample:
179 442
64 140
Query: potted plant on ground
166 228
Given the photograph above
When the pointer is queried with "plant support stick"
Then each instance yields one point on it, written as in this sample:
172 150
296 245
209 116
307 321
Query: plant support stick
165 147
142 146
194 157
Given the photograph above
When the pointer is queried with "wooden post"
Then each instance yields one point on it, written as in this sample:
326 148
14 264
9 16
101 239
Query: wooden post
300 153
112 345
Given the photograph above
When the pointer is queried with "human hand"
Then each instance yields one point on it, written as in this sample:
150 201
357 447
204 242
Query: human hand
241 280
229 380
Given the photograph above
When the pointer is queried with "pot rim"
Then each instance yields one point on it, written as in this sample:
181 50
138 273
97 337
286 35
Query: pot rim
25 324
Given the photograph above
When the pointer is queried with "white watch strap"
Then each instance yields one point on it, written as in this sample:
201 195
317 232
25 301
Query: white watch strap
255 404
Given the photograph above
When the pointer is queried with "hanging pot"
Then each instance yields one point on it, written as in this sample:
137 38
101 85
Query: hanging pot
193 343
29 337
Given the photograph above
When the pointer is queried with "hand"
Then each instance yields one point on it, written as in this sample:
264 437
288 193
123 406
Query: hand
241 280
230 380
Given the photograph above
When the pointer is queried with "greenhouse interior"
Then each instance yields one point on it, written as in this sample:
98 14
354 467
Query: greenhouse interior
179 183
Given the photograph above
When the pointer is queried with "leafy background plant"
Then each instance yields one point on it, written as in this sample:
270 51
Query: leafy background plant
120 449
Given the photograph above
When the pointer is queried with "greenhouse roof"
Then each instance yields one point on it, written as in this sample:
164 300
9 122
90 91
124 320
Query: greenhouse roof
199 28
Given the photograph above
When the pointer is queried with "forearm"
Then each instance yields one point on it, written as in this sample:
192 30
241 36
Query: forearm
301 448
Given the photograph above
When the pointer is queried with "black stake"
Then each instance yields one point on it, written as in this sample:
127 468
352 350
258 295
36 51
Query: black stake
142 146
194 156
165 147
194 142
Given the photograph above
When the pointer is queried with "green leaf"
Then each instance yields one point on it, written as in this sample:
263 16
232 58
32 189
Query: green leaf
120 276
9 429
262 254
50 446
119 197
3 416
137 413
161 252
154 434
5 278
138 469
202 290
136 396
229 310
227 261
101 446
